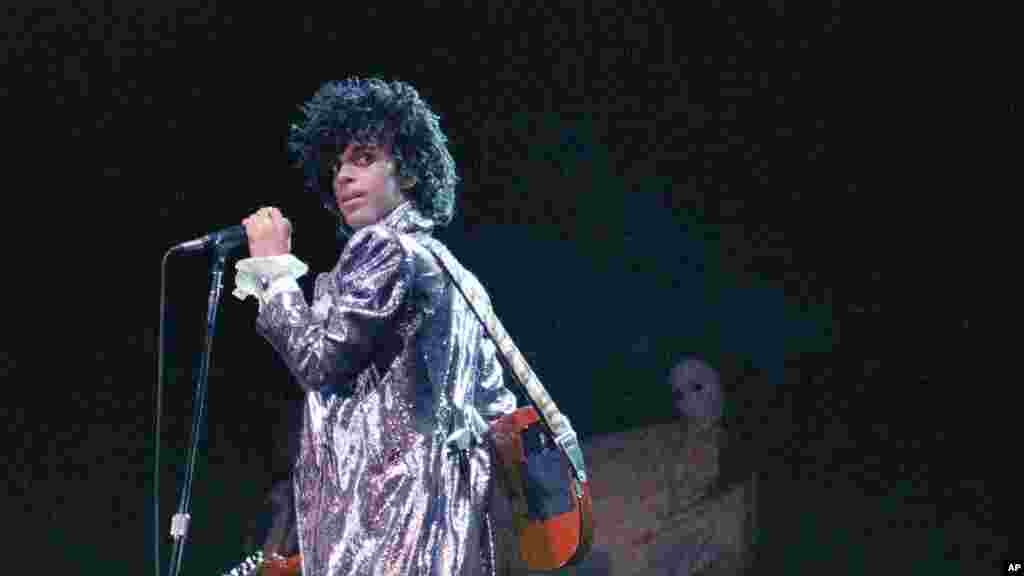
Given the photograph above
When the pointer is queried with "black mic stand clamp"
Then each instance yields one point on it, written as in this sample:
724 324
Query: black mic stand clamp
181 520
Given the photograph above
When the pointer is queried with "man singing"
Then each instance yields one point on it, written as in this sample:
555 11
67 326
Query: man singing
395 469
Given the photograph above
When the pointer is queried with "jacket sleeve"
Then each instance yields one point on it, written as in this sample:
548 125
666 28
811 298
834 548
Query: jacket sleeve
373 277
492 399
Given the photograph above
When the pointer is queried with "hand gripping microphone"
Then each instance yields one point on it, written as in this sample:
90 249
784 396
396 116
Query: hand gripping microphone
227 239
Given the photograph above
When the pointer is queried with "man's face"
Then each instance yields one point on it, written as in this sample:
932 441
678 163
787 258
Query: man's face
366 185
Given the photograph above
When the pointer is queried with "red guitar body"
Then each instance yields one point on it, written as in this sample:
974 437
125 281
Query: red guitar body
549 543
279 566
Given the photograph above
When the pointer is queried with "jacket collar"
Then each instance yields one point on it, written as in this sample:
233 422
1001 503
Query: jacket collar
406 219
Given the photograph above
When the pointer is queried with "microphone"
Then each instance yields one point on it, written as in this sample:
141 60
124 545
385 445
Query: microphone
228 238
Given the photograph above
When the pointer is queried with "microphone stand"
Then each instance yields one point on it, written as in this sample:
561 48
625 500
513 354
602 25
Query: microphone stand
180 521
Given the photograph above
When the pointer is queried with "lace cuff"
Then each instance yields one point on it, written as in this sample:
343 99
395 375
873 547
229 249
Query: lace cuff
263 277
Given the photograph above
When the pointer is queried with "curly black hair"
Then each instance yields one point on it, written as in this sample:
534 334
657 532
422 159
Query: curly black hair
367 111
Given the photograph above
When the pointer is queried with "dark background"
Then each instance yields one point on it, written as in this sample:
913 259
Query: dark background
762 186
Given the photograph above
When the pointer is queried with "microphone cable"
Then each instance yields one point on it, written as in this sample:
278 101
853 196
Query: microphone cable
158 390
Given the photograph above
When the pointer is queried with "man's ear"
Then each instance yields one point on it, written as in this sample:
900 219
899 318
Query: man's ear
407 182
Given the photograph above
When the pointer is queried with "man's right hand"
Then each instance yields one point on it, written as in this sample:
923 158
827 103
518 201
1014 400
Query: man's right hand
269 233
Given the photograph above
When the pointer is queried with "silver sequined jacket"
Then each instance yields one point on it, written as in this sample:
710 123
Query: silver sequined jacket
395 473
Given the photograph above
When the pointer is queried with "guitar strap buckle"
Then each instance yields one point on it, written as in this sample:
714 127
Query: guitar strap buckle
571 445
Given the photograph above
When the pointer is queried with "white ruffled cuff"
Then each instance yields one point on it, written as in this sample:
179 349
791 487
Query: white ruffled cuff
263 277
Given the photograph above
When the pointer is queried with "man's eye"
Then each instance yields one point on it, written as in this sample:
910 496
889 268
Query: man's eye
365 158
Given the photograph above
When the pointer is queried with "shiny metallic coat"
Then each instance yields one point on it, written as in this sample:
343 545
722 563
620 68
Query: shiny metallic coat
395 472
